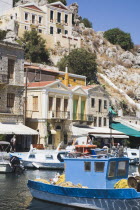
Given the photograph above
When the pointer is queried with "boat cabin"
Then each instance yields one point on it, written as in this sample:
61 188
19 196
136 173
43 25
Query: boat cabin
99 173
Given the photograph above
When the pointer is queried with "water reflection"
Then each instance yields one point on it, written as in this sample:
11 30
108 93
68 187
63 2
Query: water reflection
14 194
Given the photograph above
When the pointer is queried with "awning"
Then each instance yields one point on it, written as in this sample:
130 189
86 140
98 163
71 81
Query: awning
18 129
97 132
125 129
53 131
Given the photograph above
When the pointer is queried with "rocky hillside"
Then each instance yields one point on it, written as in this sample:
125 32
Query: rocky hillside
121 67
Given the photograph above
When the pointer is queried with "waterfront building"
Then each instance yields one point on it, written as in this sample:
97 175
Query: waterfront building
11 95
49 108
98 105
36 73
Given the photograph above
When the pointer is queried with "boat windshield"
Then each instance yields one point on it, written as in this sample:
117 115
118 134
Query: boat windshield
117 169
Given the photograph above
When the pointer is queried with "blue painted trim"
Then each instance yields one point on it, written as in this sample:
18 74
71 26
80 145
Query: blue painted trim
85 193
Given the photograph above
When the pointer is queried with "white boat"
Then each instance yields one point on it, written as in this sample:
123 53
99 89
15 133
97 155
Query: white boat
132 154
42 159
8 165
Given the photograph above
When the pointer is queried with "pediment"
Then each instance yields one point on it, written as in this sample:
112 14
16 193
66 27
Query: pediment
59 86
98 89
59 5
33 7
79 91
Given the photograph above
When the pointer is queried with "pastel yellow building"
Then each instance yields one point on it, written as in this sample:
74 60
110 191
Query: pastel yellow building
52 21
24 18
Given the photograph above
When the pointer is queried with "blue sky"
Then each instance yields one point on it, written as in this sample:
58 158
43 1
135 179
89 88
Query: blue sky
107 14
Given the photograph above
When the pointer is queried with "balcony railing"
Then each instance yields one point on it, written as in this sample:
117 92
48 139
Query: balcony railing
58 115
83 117
3 79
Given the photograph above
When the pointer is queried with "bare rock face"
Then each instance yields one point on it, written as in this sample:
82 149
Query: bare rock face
38 2
11 37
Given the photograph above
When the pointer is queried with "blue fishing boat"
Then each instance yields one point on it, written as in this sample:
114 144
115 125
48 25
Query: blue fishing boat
99 175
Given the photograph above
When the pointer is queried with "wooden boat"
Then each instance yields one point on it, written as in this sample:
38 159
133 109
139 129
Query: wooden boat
99 175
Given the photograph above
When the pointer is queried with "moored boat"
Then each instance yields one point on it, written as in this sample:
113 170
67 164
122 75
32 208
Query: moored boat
99 175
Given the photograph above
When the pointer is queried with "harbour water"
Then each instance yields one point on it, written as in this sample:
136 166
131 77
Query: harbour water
14 194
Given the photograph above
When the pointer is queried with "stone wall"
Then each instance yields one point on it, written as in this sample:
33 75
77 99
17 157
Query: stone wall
15 85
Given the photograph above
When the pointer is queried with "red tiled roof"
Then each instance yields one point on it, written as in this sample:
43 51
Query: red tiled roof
40 84
44 69
88 87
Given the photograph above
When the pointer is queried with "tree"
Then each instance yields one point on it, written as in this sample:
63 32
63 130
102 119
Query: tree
2 34
63 1
119 37
34 46
87 23
80 62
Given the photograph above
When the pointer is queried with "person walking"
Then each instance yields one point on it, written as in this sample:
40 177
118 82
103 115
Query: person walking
13 143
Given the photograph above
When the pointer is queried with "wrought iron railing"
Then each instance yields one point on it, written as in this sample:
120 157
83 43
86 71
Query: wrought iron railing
58 115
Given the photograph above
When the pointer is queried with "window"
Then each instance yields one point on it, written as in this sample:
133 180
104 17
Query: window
66 32
49 157
92 102
59 30
50 103
40 31
99 166
59 17
37 75
65 105
26 16
51 30
121 168
105 104
51 15
100 105
26 27
95 121
112 169
11 65
40 19
87 166
35 103
65 138
10 100
104 121
33 18
32 156
66 18
50 139
100 122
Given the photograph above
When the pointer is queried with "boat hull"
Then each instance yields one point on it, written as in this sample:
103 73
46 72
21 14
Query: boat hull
90 198
41 165
5 168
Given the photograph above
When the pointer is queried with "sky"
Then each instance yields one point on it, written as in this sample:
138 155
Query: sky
108 14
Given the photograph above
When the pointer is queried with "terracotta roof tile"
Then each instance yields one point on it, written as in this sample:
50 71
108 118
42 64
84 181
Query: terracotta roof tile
44 69
88 87
40 84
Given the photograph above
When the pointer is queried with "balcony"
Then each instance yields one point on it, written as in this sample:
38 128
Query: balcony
3 79
83 117
58 115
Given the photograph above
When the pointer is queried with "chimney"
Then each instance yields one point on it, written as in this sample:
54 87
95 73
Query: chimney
66 76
